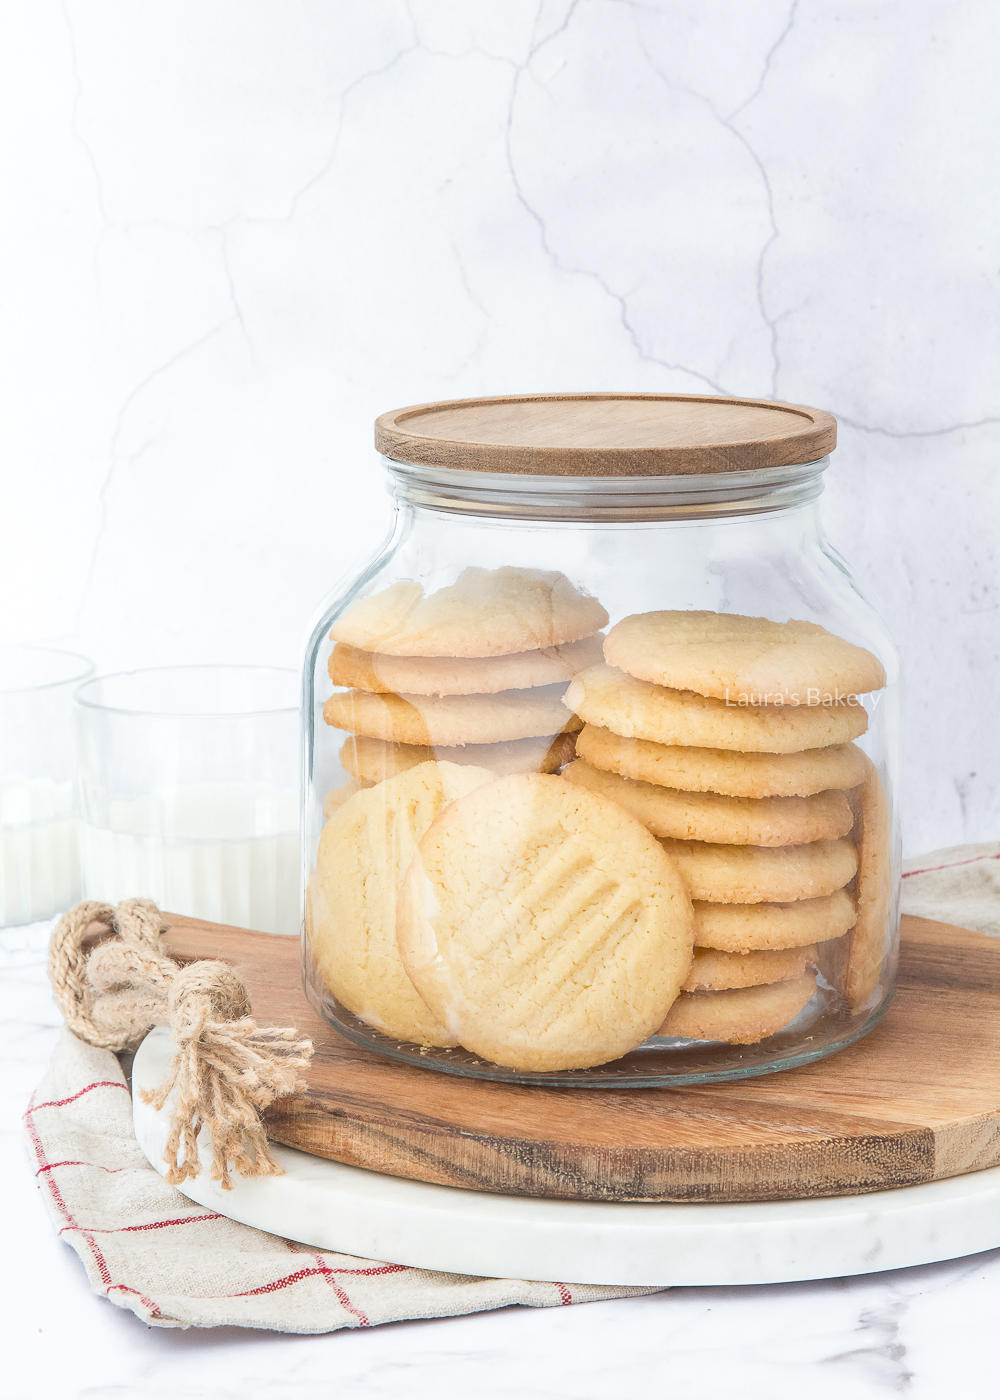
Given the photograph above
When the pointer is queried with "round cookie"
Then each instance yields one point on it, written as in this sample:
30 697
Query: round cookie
375 759
336 797
637 709
873 892
452 719
364 851
709 816
729 656
712 971
463 675
723 770
741 1017
486 612
763 874
743 928
544 926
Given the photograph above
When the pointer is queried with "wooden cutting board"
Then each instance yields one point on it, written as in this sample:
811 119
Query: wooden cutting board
916 1100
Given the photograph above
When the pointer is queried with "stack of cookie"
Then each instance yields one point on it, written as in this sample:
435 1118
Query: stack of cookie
473 673
447 692
730 739
718 834
537 925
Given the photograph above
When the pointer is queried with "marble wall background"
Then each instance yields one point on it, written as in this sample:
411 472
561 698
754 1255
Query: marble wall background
235 230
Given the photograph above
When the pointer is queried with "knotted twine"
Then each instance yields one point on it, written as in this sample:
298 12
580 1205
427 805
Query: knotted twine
226 1069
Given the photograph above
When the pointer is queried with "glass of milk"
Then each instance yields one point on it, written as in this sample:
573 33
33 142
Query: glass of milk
188 782
39 864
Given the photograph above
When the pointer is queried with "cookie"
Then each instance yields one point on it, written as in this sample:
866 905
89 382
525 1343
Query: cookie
723 770
544 926
763 874
709 816
873 892
637 709
729 656
452 719
712 971
375 759
463 675
364 850
336 797
486 612
741 1017
742 928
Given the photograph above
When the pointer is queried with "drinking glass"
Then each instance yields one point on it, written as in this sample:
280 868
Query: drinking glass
39 864
189 792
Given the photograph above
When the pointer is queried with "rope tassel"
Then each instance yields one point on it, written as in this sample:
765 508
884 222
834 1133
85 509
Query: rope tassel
225 1069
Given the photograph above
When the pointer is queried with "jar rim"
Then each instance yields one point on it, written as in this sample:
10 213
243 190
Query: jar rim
536 496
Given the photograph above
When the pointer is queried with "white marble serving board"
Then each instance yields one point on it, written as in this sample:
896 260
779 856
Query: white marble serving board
359 1212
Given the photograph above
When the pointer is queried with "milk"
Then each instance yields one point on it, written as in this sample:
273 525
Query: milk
39 857
229 855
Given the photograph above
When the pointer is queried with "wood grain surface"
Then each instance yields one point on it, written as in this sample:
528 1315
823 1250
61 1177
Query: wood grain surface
915 1100
606 434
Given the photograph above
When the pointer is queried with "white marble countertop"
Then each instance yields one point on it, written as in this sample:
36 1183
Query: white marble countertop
922 1332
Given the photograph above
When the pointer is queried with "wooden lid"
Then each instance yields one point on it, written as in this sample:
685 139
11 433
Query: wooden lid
606 434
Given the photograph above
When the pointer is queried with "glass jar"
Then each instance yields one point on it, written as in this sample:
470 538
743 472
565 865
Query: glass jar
600 752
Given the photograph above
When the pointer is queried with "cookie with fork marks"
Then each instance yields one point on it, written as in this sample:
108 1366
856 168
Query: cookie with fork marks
543 925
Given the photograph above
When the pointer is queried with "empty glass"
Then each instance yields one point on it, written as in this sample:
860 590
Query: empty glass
39 865
189 791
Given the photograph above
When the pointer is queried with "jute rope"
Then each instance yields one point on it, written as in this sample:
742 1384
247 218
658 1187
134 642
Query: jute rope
226 1069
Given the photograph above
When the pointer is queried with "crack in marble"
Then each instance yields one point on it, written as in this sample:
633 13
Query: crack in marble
556 260
109 223
75 113
115 458
916 432
768 59
772 322
480 307
769 321
887 1352
474 51
223 235
463 275
728 122
455 57
324 169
